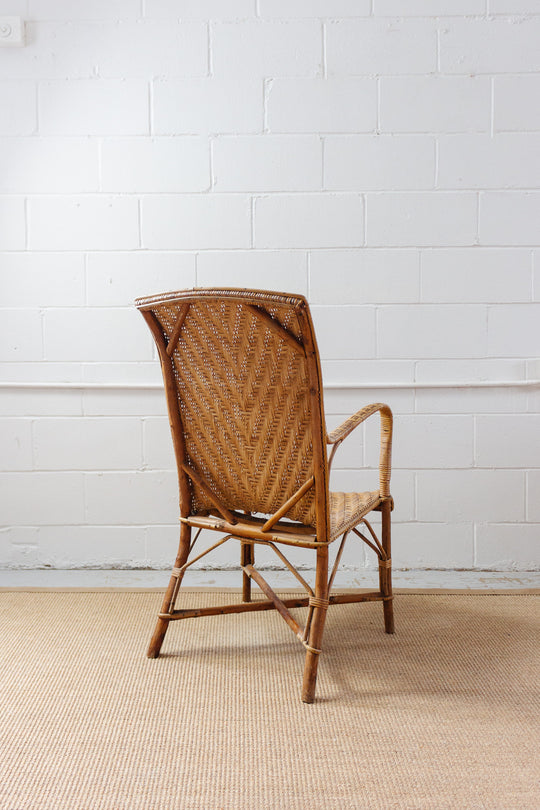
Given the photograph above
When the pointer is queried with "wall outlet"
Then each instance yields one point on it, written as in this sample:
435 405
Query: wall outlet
11 32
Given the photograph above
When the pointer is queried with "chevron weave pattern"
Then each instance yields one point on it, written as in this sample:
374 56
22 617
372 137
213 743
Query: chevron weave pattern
243 388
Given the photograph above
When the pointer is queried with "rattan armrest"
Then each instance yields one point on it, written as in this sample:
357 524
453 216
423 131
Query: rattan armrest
335 437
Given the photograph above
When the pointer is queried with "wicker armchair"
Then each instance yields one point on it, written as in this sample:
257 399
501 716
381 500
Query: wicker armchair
244 393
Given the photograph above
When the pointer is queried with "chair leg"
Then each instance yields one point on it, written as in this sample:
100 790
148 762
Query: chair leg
247 557
317 627
385 569
170 594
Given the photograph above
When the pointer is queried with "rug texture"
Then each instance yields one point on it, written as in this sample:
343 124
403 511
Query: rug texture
444 714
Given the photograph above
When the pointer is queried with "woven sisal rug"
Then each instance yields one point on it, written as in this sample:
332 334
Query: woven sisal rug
445 714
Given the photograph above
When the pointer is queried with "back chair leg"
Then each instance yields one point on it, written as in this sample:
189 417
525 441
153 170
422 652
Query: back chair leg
320 605
385 569
247 557
170 594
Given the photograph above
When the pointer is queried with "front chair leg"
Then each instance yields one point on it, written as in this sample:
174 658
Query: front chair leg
385 569
320 605
170 594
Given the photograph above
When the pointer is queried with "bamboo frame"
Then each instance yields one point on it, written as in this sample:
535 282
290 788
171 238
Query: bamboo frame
210 327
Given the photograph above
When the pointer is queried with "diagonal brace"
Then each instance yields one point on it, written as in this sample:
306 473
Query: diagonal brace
280 607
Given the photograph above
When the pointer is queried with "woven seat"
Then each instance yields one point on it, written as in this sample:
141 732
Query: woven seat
348 508
244 394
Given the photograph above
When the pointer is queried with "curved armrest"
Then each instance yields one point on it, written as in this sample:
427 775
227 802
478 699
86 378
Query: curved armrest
336 436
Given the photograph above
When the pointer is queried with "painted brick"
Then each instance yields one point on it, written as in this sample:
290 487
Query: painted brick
417 219
95 334
135 402
512 7
435 104
12 223
420 249
427 442
85 547
203 9
265 270
415 544
42 164
56 49
158 453
160 47
201 106
140 373
14 7
39 498
322 105
504 546
365 47
18 547
533 495
19 97
509 218
267 163
378 162
20 335
16 443
116 279
81 10
345 331
314 8
429 8
309 220
431 331
105 48
491 45
87 223
88 444
514 102
162 546
343 400
470 495
508 440
24 402
260 48
155 164
25 280
475 275
364 276
336 372
513 330
131 498
190 222
471 400
94 107
469 370
480 161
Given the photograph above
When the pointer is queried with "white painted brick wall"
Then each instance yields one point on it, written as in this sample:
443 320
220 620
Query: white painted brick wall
156 164
266 49
309 220
274 163
20 99
83 223
93 107
380 157
322 105
435 104
378 162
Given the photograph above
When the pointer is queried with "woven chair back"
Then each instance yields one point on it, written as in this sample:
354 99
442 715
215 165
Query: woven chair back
245 393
